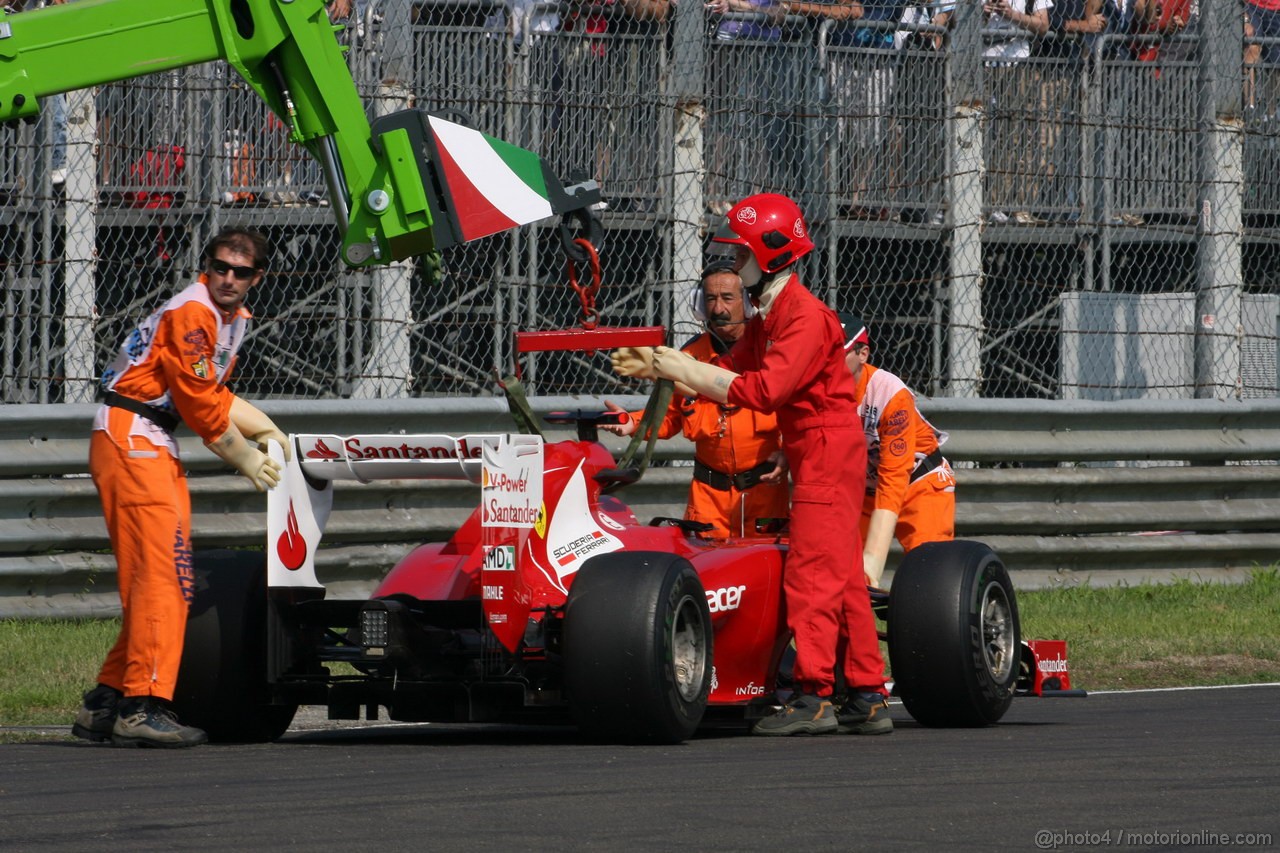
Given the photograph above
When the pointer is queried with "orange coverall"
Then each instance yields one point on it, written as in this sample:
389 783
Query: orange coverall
729 440
177 361
898 441
792 362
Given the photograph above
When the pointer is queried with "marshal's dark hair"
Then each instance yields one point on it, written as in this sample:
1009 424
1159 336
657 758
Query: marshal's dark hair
246 241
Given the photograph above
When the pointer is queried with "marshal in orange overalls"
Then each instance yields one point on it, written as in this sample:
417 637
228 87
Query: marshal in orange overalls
176 361
906 472
732 445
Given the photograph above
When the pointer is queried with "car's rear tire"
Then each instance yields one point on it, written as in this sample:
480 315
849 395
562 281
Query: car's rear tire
222 685
637 648
953 633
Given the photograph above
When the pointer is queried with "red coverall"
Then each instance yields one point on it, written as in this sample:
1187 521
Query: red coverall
899 439
728 440
792 362
176 360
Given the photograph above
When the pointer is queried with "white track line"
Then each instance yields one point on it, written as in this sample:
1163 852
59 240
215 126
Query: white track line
1174 689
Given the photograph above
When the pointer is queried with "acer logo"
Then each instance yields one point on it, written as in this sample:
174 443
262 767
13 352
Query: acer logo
727 598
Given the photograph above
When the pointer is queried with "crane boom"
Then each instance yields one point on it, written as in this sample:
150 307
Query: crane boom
405 185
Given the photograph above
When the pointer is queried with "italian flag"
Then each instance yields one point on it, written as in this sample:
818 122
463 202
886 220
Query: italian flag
495 185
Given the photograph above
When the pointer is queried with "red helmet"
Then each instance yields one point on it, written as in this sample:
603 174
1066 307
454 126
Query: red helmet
771 226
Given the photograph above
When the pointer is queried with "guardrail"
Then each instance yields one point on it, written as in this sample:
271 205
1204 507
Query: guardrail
1065 491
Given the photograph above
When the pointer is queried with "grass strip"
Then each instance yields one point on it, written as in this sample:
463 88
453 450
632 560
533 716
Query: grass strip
1166 635
1126 637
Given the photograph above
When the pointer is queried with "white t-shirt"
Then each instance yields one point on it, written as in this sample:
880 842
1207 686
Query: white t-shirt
920 12
1016 45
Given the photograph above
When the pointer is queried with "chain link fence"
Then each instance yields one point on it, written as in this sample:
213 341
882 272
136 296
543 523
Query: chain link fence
1085 221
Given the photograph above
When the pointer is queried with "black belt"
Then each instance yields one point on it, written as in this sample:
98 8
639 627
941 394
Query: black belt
722 482
927 464
159 417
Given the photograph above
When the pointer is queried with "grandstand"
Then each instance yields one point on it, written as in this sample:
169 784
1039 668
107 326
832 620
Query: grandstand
1049 228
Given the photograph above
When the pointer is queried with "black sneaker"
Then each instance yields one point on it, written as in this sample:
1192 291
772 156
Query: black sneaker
145 721
804 714
864 714
98 714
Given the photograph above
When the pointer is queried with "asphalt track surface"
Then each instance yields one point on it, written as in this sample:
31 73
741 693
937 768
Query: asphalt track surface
1165 770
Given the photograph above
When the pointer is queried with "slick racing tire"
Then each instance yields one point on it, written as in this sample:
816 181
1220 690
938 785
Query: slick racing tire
954 640
637 648
222 686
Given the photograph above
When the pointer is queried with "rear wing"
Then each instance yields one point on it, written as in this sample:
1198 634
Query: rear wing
507 467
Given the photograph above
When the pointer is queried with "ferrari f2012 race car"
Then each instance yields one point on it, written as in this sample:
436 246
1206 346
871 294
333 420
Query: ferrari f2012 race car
554 603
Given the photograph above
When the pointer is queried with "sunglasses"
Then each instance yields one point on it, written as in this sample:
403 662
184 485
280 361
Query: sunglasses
221 267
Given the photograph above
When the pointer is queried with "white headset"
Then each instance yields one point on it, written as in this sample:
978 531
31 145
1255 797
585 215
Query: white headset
698 295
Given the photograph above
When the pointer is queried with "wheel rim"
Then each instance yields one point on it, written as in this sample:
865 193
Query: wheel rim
997 632
688 649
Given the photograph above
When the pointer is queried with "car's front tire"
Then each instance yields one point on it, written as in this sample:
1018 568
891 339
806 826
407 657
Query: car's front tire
953 633
637 648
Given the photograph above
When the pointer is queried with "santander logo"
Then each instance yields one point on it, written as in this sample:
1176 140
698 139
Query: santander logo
360 448
291 548
321 451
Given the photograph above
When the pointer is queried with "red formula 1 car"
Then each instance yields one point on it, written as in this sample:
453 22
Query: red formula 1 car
555 603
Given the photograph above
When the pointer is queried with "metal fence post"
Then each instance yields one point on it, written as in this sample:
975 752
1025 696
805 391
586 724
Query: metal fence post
386 374
1220 278
688 203
81 227
964 140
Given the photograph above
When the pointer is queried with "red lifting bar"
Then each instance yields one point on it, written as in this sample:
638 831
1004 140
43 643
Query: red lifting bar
590 340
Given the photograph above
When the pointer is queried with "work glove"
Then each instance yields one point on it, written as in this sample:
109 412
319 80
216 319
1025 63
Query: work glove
258 467
633 361
875 550
687 372
254 425
623 428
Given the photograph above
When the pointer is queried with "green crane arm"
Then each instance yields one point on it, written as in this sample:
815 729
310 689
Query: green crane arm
406 185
